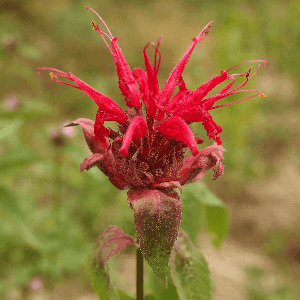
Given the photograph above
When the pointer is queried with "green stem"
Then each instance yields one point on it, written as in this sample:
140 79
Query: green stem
139 275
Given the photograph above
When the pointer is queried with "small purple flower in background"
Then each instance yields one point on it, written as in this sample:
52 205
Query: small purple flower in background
35 284
146 154
11 102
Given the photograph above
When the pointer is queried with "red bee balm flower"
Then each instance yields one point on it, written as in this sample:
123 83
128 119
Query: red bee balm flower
147 153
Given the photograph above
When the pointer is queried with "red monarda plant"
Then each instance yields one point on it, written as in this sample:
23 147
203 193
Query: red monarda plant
146 154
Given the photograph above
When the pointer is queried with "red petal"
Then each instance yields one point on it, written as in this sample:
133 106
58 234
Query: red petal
137 129
176 128
196 113
88 131
141 78
91 161
176 73
100 131
194 167
205 88
152 79
126 80
179 96
105 104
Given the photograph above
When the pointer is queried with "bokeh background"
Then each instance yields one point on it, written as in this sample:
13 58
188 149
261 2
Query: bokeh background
50 213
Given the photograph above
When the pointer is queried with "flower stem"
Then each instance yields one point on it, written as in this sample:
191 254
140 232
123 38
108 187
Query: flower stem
139 275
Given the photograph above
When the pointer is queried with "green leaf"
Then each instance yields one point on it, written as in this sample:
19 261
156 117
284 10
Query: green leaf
100 281
159 290
193 213
189 270
216 220
151 297
211 208
109 243
123 295
157 217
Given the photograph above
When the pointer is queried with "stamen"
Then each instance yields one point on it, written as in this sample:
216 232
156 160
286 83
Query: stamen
204 31
262 95
96 27
53 76
88 8
249 61
157 63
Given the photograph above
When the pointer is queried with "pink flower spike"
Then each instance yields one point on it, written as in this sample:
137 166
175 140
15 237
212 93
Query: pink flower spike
137 129
176 128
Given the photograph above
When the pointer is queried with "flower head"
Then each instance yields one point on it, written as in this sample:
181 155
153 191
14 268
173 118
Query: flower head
148 149
147 152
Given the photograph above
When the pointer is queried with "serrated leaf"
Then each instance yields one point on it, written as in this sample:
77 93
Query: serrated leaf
215 215
157 217
189 270
111 242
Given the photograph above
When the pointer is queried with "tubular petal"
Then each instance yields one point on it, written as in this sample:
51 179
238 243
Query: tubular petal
137 129
176 73
141 78
106 104
126 80
152 80
88 131
176 128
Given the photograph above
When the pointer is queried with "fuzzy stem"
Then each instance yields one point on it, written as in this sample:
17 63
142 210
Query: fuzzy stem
139 275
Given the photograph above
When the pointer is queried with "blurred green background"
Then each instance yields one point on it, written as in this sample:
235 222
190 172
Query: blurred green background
50 213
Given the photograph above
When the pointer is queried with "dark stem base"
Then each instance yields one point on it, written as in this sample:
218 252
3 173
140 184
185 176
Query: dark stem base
139 275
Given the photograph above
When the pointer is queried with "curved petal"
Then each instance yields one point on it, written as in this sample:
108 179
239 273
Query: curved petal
152 73
105 103
91 161
206 87
136 129
194 167
176 73
126 80
88 131
141 78
101 132
179 96
176 128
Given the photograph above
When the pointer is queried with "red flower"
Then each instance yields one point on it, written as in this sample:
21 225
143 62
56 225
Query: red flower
148 149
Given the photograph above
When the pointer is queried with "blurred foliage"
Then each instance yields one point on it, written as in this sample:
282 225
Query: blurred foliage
49 212
264 286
